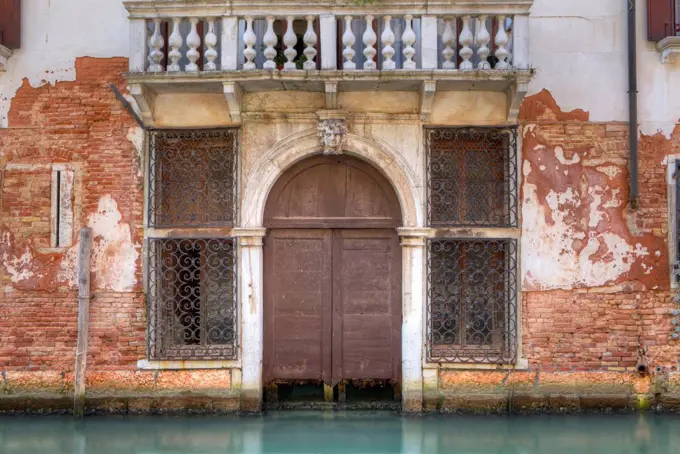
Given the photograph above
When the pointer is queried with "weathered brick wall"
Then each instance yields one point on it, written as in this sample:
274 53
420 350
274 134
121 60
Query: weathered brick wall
605 300
584 330
81 123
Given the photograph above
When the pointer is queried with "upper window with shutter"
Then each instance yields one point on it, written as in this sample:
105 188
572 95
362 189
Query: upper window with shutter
10 23
662 18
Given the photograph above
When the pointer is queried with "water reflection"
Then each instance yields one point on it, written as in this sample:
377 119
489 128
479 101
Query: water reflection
352 432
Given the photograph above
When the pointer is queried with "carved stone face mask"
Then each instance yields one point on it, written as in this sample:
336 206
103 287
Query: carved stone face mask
332 133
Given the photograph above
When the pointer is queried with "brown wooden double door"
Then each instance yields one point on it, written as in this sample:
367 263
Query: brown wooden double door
332 305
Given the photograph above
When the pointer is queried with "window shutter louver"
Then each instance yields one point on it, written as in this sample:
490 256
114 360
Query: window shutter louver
660 19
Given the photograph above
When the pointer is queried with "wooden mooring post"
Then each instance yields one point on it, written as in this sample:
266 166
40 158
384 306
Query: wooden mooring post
84 256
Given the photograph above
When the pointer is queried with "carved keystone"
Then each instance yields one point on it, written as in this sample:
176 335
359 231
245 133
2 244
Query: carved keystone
332 133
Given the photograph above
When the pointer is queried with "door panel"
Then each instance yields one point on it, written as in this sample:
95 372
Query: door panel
366 305
297 308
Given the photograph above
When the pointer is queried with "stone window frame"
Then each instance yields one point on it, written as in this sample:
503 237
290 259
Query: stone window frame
510 232
195 232
62 216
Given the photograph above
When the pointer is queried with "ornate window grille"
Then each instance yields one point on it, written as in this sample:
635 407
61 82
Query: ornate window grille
191 280
472 300
192 299
192 178
472 177
472 283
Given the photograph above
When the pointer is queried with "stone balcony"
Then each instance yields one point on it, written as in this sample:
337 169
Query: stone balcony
237 46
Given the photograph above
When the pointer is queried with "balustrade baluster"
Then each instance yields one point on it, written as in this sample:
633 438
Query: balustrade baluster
310 40
369 39
483 39
249 39
409 38
388 40
466 40
449 41
210 43
501 43
348 40
156 43
193 41
269 39
290 40
175 43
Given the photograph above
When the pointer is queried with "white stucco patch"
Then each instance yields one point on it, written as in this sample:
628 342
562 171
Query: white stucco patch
136 136
19 268
114 255
550 259
595 213
610 171
559 154
53 34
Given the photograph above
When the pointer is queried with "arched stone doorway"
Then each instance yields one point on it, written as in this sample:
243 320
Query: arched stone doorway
332 274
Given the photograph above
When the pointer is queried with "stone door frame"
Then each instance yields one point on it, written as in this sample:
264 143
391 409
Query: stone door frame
256 187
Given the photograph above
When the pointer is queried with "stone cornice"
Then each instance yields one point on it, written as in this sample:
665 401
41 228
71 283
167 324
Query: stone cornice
258 8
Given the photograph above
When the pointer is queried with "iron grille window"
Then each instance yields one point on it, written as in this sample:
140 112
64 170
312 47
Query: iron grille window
472 177
472 288
191 176
192 299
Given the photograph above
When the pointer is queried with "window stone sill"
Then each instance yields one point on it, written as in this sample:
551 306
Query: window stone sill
670 49
144 364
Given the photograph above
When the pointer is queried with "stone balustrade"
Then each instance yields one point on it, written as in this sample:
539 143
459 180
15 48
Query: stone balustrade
384 41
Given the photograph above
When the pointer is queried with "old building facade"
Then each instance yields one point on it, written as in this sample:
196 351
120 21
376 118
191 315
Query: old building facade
437 198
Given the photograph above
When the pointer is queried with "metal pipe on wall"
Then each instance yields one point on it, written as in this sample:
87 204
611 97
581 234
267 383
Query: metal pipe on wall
634 196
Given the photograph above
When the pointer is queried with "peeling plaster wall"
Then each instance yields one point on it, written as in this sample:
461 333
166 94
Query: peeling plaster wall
53 34
577 228
579 51
595 274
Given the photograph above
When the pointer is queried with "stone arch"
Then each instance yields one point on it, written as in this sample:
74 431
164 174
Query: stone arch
296 147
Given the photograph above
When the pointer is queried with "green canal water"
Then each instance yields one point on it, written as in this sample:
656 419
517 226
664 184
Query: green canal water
338 432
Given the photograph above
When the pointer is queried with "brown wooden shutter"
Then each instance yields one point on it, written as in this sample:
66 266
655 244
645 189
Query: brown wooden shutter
10 23
660 19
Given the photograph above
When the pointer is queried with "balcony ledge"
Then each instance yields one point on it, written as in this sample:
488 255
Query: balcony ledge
145 86
5 53
670 49
198 8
